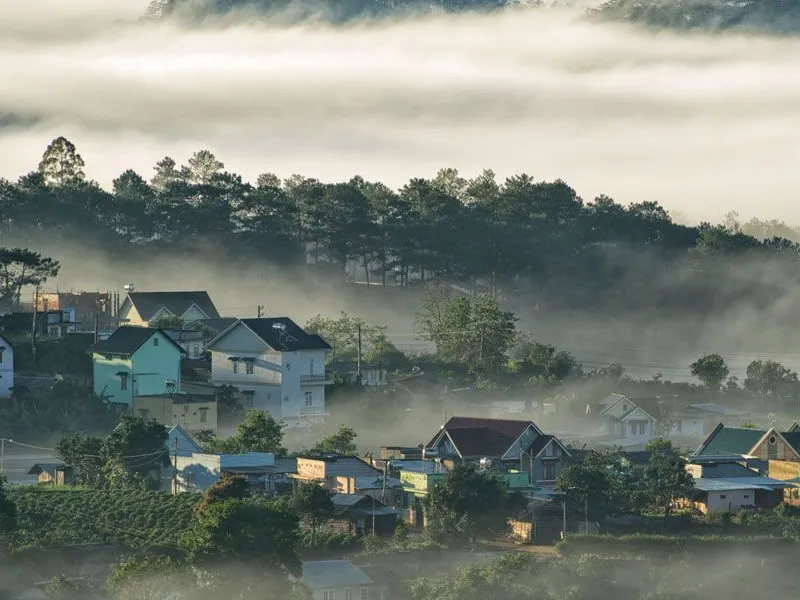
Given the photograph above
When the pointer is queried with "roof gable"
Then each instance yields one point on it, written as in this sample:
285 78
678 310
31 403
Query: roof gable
148 304
542 442
730 440
127 340
180 442
281 334
483 437
637 413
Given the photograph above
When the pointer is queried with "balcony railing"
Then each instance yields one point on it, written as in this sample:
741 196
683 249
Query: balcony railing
315 378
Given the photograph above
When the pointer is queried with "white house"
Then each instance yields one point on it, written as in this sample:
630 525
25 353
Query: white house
6 368
142 309
275 365
627 421
700 419
342 580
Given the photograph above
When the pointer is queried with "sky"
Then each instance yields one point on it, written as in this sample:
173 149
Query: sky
702 124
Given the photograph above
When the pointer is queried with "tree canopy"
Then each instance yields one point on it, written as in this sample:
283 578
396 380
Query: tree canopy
20 267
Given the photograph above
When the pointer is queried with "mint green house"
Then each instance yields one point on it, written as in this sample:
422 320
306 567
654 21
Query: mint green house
417 484
136 361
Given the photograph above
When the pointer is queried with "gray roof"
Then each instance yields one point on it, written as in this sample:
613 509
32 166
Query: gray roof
289 339
218 325
149 303
49 468
127 340
739 483
325 574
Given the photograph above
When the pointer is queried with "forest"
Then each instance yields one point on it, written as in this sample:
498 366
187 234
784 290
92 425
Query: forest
520 236
763 16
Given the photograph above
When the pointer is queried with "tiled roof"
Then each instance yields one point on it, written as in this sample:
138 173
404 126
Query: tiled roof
483 437
289 339
730 440
538 444
333 574
149 303
127 340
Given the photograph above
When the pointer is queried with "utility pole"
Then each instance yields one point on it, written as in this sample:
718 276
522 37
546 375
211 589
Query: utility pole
3 454
260 309
586 513
358 363
33 327
373 516
564 523
175 468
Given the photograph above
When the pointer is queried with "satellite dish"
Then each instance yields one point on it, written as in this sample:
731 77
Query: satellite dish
129 287
279 326
416 370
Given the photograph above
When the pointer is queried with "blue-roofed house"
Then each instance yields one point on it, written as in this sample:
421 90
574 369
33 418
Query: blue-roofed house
341 580
198 471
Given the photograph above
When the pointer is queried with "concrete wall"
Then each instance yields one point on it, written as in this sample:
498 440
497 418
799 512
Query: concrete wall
6 369
189 415
731 499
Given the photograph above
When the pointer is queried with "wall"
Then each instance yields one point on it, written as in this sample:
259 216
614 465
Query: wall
186 414
787 470
6 369
732 498
154 365
129 316
525 440
106 381
783 450
193 314
197 472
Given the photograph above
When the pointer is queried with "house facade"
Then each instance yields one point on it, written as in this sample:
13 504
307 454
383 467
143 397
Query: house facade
136 361
501 444
341 580
192 413
6 368
628 422
276 366
143 309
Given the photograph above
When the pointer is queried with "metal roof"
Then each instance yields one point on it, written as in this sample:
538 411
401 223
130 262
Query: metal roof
149 303
739 483
326 574
127 340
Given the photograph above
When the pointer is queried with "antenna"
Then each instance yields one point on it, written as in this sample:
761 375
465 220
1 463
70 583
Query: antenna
129 287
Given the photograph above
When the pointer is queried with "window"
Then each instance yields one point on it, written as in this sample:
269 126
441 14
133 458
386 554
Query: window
249 367
288 366
310 366
203 415
2 350
348 593
123 381
633 428
747 495
328 595
549 471
722 496
155 341
364 593
249 398
309 398
642 427
235 366
286 398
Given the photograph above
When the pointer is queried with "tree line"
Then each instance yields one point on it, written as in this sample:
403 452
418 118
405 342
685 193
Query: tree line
491 233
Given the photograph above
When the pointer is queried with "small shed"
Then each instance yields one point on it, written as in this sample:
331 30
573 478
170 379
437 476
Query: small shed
54 473
360 514
539 523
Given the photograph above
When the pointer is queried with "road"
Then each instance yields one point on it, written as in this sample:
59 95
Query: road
17 461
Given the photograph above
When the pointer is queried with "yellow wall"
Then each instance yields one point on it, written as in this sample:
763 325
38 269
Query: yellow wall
187 415
785 452
786 470
129 316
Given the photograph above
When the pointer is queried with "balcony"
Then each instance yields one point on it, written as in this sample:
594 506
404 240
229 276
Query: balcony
316 379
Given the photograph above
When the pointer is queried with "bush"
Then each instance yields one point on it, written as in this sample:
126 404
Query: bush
132 519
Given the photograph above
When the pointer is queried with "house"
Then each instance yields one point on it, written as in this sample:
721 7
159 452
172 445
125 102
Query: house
136 361
362 515
341 580
276 366
372 374
701 419
541 522
335 473
55 473
194 408
83 309
781 450
503 444
733 482
143 309
195 336
50 323
199 471
629 423
6 368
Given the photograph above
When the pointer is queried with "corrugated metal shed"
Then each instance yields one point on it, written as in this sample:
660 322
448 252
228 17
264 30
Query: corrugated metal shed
325 574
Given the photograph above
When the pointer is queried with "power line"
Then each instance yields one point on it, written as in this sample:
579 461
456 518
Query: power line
149 454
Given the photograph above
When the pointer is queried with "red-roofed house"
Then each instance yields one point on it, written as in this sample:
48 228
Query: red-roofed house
506 443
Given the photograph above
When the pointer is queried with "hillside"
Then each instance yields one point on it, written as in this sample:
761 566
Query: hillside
772 16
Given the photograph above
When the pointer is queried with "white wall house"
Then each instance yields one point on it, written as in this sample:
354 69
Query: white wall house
629 423
6 368
275 365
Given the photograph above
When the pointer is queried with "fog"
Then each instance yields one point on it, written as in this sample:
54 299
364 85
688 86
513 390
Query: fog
703 124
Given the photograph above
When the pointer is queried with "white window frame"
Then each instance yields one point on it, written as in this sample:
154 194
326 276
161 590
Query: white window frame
309 398
235 366
249 367
348 593
364 593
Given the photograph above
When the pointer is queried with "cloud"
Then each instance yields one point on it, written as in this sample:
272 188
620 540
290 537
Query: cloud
703 124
